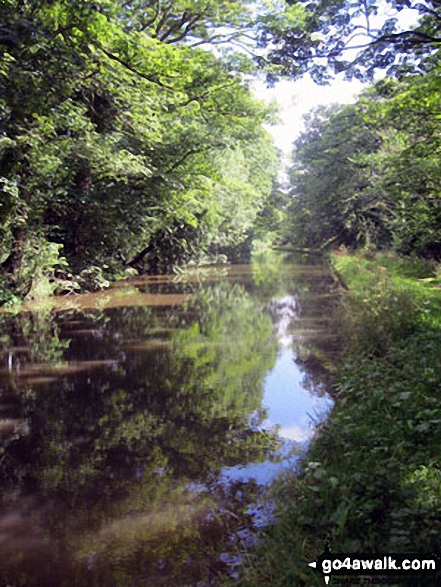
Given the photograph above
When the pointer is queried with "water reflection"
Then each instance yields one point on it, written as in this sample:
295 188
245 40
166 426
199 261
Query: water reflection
287 391
293 405
126 427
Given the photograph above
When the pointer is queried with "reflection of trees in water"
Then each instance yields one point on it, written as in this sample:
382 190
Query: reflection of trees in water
230 349
304 312
30 337
110 452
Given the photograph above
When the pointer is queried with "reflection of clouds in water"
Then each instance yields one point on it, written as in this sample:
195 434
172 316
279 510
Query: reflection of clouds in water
262 473
305 429
296 433
291 402
285 457
286 400
285 341
284 311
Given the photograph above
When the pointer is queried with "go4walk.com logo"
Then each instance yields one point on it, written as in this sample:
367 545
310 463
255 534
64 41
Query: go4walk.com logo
378 565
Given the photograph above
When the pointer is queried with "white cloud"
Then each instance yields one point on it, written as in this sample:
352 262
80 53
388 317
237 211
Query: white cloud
296 98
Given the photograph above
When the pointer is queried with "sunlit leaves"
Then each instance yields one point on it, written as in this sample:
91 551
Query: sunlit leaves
113 121
369 174
410 178
331 199
355 38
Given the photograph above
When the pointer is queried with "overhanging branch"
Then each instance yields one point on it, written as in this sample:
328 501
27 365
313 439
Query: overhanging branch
133 70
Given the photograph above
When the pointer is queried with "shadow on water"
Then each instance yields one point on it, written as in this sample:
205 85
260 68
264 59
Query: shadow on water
139 427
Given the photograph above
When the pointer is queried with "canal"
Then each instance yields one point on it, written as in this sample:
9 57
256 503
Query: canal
141 426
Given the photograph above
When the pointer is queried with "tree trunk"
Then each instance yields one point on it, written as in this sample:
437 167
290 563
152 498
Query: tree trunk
140 256
11 265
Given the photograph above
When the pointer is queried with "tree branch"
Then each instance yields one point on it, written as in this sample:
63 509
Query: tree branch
149 23
175 26
433 13
186 31
163 20
204 95
133 70
189 153
182 159
226 38
424 38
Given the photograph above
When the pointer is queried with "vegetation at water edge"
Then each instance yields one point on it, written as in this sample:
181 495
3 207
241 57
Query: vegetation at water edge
371 481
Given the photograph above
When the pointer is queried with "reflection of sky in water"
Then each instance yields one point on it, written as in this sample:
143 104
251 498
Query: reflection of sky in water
290 407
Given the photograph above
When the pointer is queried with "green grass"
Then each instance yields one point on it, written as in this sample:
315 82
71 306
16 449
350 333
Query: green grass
372 479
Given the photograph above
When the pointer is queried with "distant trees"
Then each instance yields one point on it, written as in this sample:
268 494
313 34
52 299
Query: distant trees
370 173
331 197
124 142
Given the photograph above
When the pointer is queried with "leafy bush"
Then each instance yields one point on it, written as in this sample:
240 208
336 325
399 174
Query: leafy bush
92 278
382 308
45 269
379 318
7 297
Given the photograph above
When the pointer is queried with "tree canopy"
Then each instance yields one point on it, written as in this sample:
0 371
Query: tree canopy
369 173
358 38
129 138
116 133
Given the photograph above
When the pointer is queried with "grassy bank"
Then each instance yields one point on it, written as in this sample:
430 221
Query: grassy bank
372 479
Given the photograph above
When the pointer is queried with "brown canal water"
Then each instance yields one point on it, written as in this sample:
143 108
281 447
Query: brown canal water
141 426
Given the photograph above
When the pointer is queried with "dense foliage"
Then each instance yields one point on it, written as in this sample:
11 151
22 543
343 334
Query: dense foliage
368 174
357 38
129 137
371 480
122 140
130 141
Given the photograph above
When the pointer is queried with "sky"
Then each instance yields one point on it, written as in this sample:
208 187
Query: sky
296 98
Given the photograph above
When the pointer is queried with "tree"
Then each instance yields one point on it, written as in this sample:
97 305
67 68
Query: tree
357 38
195 22
332 198
111 118
369 173
406 114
